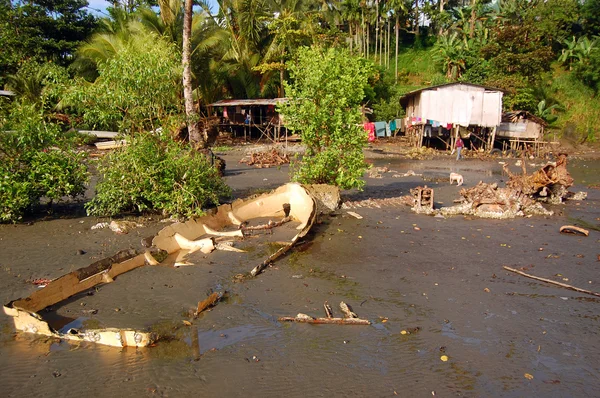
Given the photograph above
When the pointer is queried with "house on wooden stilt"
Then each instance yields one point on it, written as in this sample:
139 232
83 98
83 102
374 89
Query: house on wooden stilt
438 114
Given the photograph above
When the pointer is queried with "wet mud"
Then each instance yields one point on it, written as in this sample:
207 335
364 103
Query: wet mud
432 287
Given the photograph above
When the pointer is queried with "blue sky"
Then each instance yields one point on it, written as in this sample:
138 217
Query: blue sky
102 4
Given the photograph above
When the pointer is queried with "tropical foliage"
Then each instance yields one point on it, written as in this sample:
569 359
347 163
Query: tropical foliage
123 71
37 161
155 173
327 88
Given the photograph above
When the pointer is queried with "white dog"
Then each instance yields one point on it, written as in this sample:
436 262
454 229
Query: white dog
456 177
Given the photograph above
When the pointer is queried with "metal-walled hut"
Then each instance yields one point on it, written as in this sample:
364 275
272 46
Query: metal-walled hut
442 112
243 116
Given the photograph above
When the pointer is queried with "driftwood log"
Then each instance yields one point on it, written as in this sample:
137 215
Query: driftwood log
537 278
350 318
303 318
571 229
553 179
328 310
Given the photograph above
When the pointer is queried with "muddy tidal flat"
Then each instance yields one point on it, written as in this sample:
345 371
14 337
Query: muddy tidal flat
447 319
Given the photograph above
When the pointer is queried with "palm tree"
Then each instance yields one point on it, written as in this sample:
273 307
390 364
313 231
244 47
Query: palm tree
186 59
450 54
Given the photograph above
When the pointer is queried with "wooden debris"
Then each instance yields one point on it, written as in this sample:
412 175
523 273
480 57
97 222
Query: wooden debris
266 159
571 229
350 318
552 282
208 302
347 311
268 226
328 310
422 198
355 215
303 318
551 181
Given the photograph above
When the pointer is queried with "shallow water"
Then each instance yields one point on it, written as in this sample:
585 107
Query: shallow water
442 283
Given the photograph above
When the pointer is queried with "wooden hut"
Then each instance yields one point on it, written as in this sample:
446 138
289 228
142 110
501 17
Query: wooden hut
520 130
447 110
248 115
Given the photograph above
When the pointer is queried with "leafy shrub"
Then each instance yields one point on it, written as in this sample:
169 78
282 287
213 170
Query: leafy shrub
324 105
156 174
36 161
137 88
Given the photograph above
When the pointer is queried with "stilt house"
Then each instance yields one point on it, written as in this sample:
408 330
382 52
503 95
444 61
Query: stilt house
442 112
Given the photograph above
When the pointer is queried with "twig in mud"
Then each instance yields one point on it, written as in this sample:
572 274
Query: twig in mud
328 311
347 311
577 289
270 225
204 304
303 318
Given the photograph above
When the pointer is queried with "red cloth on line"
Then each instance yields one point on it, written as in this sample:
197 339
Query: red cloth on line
370 128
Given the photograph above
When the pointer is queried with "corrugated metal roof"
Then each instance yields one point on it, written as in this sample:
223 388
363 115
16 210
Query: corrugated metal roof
415 92
248 102
6 93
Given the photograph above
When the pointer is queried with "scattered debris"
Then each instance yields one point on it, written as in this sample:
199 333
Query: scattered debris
355 215
571 229
266 159
376 172
40 282
489 201
347 310
422 199
549 184
119 227
552 282
350 318
290 201
25 311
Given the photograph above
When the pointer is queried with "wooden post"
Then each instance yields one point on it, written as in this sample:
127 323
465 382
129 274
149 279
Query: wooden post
421 132
493 139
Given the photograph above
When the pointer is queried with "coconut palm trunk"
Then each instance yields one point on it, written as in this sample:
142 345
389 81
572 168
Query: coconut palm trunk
397 37
190 111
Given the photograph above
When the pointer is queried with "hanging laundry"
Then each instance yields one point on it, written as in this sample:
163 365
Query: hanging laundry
435 124
370 129
380 129
225 115
393 125
388 132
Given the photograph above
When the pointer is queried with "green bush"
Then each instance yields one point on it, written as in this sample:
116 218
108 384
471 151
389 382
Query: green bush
156 174
138 88
36 161
324 105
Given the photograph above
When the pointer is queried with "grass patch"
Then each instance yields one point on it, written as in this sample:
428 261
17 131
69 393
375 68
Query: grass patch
580 116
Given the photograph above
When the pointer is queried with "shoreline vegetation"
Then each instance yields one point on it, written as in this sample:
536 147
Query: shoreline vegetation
131 70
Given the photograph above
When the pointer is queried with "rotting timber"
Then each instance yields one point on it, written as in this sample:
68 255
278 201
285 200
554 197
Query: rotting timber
290 202
521 196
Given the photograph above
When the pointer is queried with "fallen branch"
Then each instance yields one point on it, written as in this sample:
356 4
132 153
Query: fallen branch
552 282
269 225
571 229
303 318
210 301
347 311
328 310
